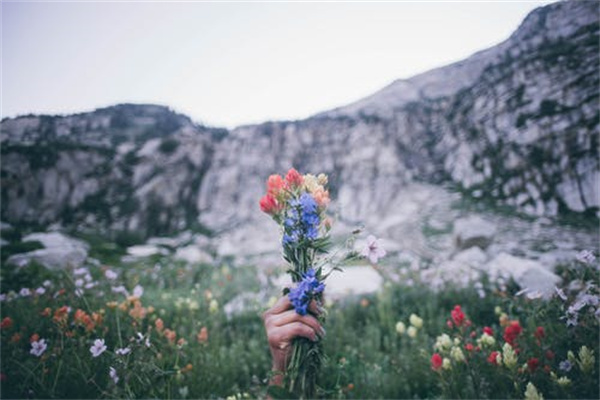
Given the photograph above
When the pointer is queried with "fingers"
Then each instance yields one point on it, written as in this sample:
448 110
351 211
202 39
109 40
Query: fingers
295 329
290 316
283 304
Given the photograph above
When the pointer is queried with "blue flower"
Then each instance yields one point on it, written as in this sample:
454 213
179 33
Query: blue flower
301 220
565 365
305 291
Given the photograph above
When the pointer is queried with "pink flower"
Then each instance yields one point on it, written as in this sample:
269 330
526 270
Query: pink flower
373 250
38 347
511 332
493 358
275 184
321 196
293 179
98 348
488 331
436 361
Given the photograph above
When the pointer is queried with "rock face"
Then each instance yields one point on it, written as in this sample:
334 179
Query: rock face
516 125
59 251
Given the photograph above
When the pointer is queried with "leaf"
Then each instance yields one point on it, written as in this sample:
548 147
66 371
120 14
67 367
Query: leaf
278 392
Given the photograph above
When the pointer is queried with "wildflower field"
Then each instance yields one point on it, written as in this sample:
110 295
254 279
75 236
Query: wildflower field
156 328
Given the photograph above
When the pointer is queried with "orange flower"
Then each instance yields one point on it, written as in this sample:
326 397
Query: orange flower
181 342
321 197
15 338
61 315
34 338
274 185
138 312
268 204
202 335
6 323
47 312
159 325
293 179
170 335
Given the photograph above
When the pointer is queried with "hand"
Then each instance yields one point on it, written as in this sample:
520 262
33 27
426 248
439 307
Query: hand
283 324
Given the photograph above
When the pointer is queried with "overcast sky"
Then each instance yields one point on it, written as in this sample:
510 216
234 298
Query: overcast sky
228 64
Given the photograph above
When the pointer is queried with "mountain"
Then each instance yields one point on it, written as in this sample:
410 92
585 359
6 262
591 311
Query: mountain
514 125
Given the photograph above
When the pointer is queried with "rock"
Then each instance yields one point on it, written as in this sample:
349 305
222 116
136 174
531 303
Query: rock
473 231
145 250
528 274
192 255
472 256
60 251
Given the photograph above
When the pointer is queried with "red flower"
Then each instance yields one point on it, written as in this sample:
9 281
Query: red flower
457 316
469 347
539 333
293 179
268 204
511 332
550 355
489 331
533 364
436 361
6 323
449 323
492 358
274 185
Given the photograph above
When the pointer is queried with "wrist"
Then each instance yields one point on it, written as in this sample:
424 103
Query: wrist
277 376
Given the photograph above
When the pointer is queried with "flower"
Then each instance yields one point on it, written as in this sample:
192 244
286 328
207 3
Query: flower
457 354
495 358
138 291
411 332
373 250
110 274
563 381
531 393
509 356
6 323
38 347
457 316
586 257
436 362
98 348
539 333
305 291
202 335
268 204
321 197
123 351
486 340
586 359
512 332
113 374
301 220
24 292
213 306
488 331
293 179
40 291
443 342
416 321
565 365
533 363
275 185
400 328
446 364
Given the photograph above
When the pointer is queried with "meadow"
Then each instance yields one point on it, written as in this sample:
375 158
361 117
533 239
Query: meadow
157 328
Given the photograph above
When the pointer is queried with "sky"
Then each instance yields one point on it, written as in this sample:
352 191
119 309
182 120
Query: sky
233 63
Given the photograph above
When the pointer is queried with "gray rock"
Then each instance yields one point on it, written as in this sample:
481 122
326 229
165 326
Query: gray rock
60 251
473 231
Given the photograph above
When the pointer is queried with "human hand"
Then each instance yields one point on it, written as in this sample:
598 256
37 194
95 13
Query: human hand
283 324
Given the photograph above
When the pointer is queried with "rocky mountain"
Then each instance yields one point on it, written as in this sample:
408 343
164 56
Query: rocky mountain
514 125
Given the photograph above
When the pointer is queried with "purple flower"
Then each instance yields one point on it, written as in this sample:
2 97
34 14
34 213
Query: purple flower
113 374
38 347
565 365
305 291
98 348
373 249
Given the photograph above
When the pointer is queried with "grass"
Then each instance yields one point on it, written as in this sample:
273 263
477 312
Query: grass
369 356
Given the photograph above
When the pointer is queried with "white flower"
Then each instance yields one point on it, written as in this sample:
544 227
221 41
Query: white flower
79 282
47 283
446 364
373 250
183 392
138 291
110 274
416 321
113 374
25 292
120 289
457 354
123 351
38 348
81 271
400 328
98 348
411 332
40 291
2 297
213 306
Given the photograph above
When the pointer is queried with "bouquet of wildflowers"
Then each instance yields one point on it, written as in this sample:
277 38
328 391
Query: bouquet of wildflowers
298 204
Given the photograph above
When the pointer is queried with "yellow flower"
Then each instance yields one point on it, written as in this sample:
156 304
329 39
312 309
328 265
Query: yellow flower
412 332
443 342
213 307
322 179
400 328
497 310
531 393
310 183
586 359
446 364
486 340
563 381
416 321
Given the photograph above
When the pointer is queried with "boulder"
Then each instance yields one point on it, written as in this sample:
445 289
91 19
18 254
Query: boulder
473 231
59 251
192 255
530 275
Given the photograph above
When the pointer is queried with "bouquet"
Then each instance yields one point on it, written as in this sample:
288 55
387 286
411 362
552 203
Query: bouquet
298 204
